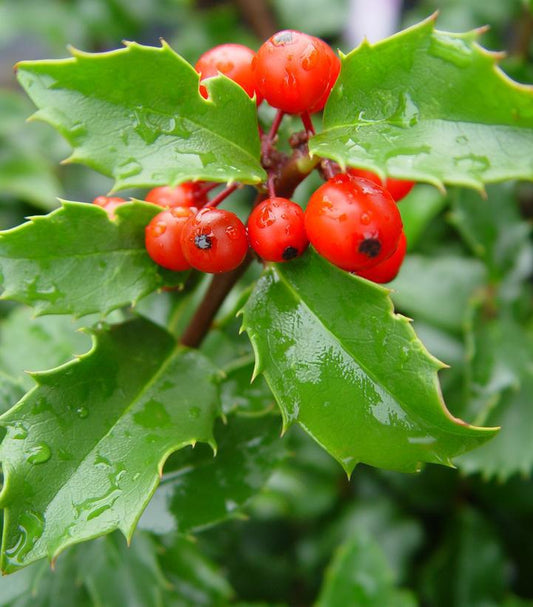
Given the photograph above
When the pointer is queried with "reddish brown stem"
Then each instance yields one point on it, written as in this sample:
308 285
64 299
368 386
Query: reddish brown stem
219 287
222 196
290 174
308 123
207 188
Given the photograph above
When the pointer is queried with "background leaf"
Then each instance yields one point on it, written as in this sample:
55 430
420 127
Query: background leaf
359 576
437 289
500 384
77 261
429 106
122 117
351 372
84 448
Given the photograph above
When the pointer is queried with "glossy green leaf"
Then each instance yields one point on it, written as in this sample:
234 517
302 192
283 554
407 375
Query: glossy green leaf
85 447
349 370
500 385
438 289
136 115
360 576
199 490
77 261
430 106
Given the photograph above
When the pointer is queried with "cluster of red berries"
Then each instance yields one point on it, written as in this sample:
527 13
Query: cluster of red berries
352 220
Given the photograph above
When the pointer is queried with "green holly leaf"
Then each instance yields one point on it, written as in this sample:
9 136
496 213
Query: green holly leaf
77 261
350 371
499 387
429 106
84 449
360 575
136 115
199 490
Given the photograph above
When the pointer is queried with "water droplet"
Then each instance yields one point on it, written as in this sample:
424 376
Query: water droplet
95 506
153 415
43 291
451 49
82 412
232 233
64 455
39 454
194 412
407 112
225 66
310 59
31 527
159 228
365 218
19 431
130 168
207 158
472 163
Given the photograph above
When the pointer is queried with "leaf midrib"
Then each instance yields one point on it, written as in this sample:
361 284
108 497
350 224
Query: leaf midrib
408 410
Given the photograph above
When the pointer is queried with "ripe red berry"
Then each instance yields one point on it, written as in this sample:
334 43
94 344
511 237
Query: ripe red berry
188 194
398 188
214 240
295 72
353 222
276 230
162 238
109 203
232 60
387 270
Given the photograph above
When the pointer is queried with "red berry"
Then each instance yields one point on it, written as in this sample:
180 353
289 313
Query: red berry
295 72
398 188
162 238
188 194
276 230
109 203
232 60
214 240
353 222
388 269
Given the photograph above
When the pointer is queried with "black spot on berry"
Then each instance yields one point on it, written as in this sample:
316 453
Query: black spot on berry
370 247
282 38
290 253
203 241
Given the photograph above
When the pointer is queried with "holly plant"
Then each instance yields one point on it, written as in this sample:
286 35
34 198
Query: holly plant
220 310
